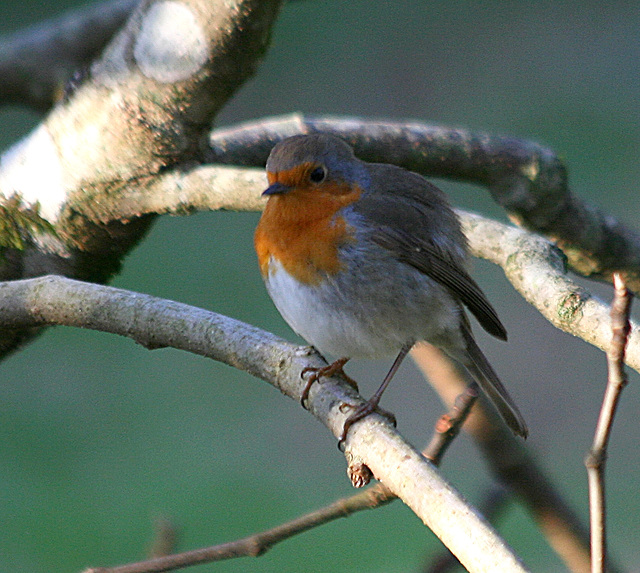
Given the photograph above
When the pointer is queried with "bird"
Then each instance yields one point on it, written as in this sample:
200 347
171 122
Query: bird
365 260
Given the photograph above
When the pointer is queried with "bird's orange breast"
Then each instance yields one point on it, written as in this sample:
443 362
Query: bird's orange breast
303 232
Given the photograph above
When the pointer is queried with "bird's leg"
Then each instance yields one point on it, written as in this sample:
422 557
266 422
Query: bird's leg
329 370
371 405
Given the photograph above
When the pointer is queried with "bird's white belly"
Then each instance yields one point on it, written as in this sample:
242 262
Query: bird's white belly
324 325
371 323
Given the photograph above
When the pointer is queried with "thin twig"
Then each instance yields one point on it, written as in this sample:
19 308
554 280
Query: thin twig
450 424
447 428
259 543
597 456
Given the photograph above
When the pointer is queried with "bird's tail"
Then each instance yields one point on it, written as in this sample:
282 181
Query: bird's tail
485 376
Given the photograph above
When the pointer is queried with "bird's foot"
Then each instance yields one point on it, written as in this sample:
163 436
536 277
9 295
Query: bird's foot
316 373
360 412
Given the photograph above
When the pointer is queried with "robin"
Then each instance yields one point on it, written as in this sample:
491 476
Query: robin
364 260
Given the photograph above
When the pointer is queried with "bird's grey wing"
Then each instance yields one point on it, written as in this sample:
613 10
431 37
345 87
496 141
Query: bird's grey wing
412 219
429 260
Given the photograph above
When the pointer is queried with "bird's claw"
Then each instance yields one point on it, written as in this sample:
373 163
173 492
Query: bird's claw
315 375
361 412
326 371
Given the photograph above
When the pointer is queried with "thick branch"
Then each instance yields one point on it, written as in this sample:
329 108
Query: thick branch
142 110
157 323
525 178
512 464
201 188
536 269
68 190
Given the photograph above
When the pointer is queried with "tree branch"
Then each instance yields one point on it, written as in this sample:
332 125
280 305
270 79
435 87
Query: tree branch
512 463
493 504
376 496
597 457
527 179
200 188
536 268
142 110
158 323
36 63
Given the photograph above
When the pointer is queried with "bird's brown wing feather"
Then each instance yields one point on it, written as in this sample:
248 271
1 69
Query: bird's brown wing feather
430 261
412 218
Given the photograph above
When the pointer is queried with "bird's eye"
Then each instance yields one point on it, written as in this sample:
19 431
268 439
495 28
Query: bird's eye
318 174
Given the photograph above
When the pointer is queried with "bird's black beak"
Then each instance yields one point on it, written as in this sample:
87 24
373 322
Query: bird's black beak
276 189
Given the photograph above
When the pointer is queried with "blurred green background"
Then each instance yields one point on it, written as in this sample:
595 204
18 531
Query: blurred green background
100 437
